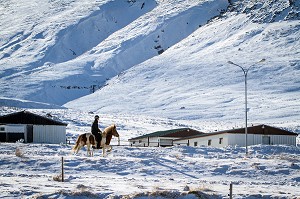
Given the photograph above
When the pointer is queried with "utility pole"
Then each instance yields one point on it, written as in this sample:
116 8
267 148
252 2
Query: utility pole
245 71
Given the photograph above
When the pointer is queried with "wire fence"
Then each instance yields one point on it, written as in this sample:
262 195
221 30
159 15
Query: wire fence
139 144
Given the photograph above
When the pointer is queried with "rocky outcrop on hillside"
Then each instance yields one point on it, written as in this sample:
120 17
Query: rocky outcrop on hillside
266 11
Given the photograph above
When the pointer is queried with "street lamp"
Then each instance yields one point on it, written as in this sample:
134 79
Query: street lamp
245 70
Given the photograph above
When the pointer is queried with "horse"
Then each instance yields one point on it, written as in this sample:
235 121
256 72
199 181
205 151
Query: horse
107 136
89 139
85 139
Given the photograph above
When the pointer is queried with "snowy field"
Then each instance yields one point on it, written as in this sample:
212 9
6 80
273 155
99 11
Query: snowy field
33 170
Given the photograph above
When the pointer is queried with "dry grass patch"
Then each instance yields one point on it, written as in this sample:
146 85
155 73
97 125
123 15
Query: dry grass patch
166 194
19 153
57 178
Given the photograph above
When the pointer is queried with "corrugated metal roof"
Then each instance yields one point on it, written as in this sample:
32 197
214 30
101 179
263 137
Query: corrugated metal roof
259 129
26 117
262 129
182 132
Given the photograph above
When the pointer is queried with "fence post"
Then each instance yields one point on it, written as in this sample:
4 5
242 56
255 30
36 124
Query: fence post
62 169
230 191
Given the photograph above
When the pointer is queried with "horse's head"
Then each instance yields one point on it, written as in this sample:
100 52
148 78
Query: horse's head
111 130
114 131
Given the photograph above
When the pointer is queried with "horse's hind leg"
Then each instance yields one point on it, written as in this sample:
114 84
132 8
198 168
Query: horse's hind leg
73 150
88 150
78 148
110 148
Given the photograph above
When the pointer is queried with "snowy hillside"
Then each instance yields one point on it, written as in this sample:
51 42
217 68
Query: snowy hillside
68 57
166 59
192 80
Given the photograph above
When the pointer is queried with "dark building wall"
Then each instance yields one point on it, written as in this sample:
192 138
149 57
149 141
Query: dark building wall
11 137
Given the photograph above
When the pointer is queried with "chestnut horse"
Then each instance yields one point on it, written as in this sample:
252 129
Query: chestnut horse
89 139
107 136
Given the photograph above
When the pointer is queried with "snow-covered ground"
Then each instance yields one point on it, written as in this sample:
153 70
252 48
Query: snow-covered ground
33 170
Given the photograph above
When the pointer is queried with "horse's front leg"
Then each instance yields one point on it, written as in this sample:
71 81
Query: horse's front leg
110 148
103 150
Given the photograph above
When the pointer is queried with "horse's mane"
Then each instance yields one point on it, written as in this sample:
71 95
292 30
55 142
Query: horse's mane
109 129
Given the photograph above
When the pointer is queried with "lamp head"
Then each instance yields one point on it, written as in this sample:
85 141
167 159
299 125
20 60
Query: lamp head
262 60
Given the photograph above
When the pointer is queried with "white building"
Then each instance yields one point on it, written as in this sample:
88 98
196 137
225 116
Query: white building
162 138
31 128
261 134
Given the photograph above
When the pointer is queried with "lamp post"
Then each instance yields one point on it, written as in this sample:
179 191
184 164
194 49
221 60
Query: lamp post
245 70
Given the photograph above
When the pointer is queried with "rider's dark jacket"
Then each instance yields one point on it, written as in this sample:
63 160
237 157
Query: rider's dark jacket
96 132
95 128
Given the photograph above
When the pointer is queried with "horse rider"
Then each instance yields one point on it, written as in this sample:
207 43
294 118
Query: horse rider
96 131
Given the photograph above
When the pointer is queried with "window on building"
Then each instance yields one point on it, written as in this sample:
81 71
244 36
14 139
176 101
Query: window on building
133 142
140 141
2 129
220 140
209 143
195 143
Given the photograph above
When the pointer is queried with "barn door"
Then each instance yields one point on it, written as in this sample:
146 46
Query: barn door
29 133
165 142
266 140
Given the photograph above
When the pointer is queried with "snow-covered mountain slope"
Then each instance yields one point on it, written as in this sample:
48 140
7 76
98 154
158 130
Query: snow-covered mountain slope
204 85
157 58
77 55
195 81
56 32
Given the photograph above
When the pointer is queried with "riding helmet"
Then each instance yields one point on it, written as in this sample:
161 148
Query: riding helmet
97 117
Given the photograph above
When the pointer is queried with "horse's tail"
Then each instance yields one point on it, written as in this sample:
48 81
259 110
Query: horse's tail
77 143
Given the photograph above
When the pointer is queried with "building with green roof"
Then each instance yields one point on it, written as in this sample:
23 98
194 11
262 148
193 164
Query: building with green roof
163 138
